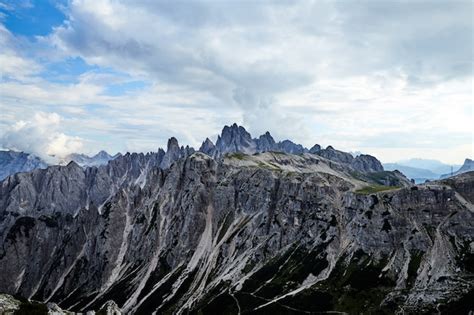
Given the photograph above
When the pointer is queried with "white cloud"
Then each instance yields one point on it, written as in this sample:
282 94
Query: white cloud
12 64
356 75
41 136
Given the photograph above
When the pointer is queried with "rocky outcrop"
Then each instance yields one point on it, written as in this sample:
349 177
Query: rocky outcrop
288 146
366 163
11 305
315 149
235 139
362 163
266 143
174 152
261 233
12 162
208 148
335 155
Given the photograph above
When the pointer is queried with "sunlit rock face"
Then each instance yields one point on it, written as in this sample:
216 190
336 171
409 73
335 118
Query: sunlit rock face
255 233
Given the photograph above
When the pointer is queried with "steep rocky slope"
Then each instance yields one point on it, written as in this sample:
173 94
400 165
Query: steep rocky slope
261 233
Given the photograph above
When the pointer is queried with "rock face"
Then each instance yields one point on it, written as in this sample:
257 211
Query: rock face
11 305
174 153
335 155
12 162
366 163
315 149
235 139
208 148
263 233
363 163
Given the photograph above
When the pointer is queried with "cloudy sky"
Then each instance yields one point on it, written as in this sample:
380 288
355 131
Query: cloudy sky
389 78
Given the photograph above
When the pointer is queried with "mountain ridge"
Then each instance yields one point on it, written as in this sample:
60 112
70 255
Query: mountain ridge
196 235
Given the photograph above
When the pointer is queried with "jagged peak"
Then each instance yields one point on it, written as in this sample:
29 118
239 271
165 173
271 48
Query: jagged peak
206 145
72 164
315 148
172 143
102 154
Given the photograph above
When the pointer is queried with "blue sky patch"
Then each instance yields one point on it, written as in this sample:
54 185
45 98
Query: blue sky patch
31 18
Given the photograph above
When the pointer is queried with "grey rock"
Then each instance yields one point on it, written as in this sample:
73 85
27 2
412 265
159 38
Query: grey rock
362 163
315 149
288 146
265 143
110 308
201 234
366 163
235 139
174 152
335 155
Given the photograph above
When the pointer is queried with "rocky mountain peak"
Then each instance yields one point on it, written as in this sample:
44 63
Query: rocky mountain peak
265 142
235 138
208 147
315 149
173 153
468 163
172 144
468 166
103 155
367 163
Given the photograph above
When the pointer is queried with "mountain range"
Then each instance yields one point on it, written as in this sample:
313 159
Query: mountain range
12 162
468 166
242 226
233 138
83 160
421 170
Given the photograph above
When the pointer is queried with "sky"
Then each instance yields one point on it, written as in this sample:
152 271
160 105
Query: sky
389 78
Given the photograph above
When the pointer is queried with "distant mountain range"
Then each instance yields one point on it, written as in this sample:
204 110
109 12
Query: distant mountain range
234 139
12 162
435 166
466 167
422 170
83 160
